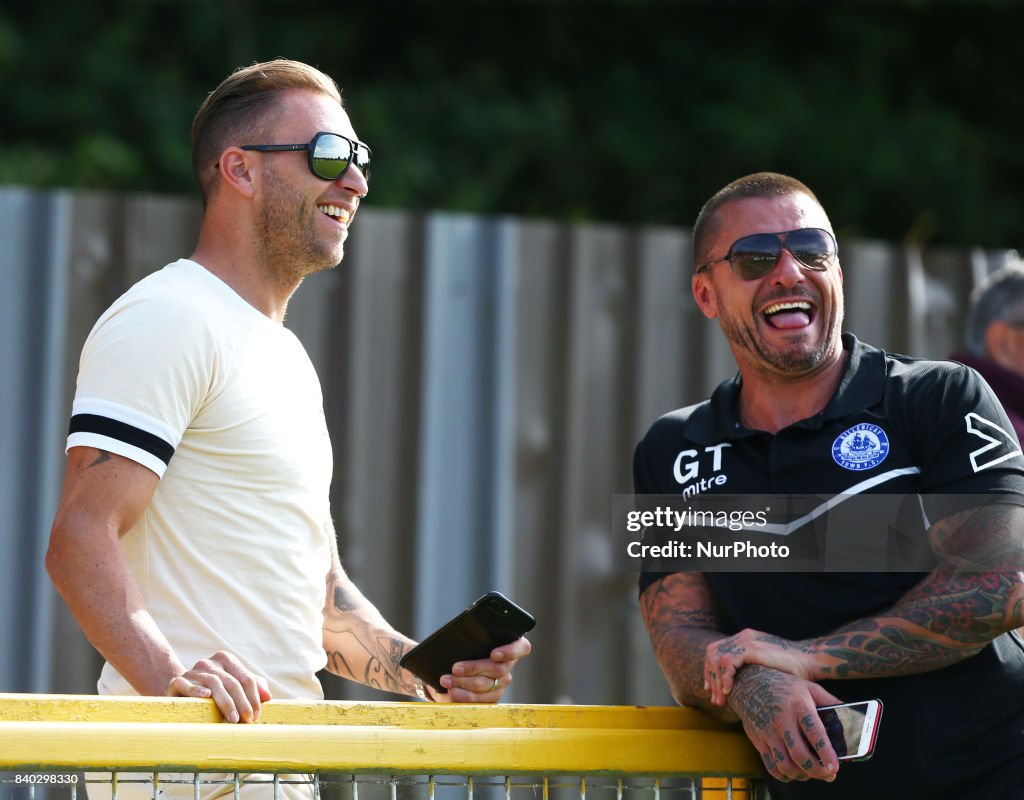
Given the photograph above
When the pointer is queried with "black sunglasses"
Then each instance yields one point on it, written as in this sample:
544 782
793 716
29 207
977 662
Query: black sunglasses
329 154
754 256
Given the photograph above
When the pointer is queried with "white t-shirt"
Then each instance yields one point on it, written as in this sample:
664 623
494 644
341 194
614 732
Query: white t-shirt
183 376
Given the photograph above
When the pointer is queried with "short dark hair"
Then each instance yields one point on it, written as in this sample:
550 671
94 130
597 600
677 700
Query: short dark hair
240 106
759 184
999 297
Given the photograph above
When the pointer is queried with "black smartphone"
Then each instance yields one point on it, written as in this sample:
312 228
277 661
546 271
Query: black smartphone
490 622
852 728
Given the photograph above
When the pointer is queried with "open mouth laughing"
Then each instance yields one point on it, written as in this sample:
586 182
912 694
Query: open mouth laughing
789 314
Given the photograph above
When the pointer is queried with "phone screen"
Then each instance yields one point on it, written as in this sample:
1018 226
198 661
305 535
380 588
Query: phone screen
851 727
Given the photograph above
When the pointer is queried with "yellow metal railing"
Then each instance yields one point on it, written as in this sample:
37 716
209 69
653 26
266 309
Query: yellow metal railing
49 732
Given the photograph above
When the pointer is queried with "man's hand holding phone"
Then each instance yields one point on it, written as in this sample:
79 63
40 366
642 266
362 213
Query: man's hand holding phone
470 658
481 680
779 716
851 727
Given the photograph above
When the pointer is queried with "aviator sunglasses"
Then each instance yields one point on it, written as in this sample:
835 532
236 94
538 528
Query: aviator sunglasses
754 256
329 154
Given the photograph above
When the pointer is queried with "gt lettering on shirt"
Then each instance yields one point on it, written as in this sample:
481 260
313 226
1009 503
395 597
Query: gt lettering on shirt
693 467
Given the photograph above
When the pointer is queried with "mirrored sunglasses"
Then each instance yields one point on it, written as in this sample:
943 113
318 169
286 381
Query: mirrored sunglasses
752 257
329 154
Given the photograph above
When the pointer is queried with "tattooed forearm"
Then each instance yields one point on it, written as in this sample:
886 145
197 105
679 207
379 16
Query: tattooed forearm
879 649
973 595
942 621
370 663
359 644
680 618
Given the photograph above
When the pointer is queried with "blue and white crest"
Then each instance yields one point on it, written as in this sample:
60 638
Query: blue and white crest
861 447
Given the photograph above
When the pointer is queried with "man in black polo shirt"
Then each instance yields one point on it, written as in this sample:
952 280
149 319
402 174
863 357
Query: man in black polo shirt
816 411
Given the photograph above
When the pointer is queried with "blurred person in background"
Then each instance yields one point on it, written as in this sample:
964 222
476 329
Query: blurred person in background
995 338
193 541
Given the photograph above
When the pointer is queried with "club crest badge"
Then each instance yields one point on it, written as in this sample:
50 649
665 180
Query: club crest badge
861 447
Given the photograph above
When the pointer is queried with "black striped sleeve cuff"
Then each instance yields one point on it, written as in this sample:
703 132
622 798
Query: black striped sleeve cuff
105 432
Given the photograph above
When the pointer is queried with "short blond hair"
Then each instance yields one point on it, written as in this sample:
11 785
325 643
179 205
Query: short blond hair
240 107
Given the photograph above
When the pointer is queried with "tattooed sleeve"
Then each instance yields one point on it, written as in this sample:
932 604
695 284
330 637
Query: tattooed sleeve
679 613
975 594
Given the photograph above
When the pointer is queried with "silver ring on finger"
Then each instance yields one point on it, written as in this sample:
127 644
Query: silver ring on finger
493 685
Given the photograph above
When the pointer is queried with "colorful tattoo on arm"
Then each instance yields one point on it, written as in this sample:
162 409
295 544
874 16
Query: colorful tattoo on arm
975 594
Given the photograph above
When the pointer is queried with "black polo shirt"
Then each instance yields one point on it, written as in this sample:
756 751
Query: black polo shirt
895 425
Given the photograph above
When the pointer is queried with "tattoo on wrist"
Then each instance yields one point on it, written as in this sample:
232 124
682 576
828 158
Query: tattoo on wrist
755 696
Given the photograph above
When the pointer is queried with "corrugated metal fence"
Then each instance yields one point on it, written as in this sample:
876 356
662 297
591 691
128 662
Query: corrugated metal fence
485 381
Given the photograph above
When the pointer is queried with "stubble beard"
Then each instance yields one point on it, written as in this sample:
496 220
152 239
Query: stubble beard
288 229
794 360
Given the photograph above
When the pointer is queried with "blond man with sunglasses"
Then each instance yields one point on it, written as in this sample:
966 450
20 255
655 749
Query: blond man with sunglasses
193 542
815 416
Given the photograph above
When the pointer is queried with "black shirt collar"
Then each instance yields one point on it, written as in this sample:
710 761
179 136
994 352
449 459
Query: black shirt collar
861 387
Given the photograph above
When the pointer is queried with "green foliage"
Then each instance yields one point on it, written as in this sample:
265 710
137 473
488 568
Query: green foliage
901 115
